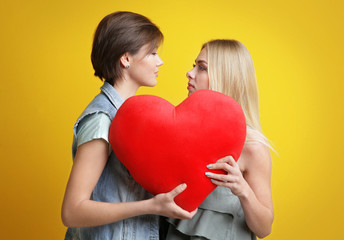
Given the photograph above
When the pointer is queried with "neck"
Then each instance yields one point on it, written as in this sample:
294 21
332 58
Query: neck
125 88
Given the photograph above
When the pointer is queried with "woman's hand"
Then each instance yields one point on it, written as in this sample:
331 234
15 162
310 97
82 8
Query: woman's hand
165 205
252 187
233 180
79 211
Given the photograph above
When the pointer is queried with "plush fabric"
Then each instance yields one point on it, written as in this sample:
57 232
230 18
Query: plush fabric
163 146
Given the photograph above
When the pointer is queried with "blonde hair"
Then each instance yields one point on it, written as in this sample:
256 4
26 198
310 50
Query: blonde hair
231 72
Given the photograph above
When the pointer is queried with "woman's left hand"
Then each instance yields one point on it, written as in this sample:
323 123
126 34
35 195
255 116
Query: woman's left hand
233 180
252 187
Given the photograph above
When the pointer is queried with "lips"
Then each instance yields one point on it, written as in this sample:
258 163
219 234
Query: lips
190 86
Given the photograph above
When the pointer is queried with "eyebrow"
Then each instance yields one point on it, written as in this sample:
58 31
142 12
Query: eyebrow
201 61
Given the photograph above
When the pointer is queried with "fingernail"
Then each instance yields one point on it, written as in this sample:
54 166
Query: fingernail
210 166
184 185
212 180
207 173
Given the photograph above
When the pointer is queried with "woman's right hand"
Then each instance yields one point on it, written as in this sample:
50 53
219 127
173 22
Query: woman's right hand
79 211
165 205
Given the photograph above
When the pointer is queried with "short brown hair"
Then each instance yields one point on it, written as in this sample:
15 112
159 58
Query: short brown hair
116 34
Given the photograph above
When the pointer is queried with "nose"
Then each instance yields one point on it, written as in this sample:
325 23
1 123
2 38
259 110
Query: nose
159 62
190 74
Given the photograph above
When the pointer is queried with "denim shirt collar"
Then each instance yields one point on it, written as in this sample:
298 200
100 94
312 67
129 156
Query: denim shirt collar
112 94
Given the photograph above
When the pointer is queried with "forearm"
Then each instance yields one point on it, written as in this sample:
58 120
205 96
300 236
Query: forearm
258 217
251 184
85 213
92 213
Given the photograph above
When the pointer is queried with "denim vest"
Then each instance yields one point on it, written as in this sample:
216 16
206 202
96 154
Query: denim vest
115 185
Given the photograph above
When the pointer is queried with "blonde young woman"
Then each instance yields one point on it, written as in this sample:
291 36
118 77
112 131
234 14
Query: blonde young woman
241 207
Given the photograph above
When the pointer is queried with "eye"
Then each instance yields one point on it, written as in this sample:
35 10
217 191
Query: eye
193 65
201 67
154 53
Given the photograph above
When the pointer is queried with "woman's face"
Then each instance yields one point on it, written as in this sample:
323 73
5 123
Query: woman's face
198 75
144 67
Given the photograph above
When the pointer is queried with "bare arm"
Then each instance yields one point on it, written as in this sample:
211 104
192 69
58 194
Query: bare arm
79 211
253 187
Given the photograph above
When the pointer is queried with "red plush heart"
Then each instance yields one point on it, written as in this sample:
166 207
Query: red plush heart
163 146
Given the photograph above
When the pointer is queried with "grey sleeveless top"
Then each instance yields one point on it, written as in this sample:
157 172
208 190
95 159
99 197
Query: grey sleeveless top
219 217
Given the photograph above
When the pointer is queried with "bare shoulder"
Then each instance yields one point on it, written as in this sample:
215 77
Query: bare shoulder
255 149
255 155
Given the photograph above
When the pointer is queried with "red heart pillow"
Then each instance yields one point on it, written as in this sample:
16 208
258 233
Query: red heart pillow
163 146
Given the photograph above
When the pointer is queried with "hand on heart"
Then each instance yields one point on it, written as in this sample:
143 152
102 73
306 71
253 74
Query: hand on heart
163 146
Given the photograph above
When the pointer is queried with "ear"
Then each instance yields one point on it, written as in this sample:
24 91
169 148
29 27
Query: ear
125 60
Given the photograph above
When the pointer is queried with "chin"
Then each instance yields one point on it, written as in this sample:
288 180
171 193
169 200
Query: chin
150 83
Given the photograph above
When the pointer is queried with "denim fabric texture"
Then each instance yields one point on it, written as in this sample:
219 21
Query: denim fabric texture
115 184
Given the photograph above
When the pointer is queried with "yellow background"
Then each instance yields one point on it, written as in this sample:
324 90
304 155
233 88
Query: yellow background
47 80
